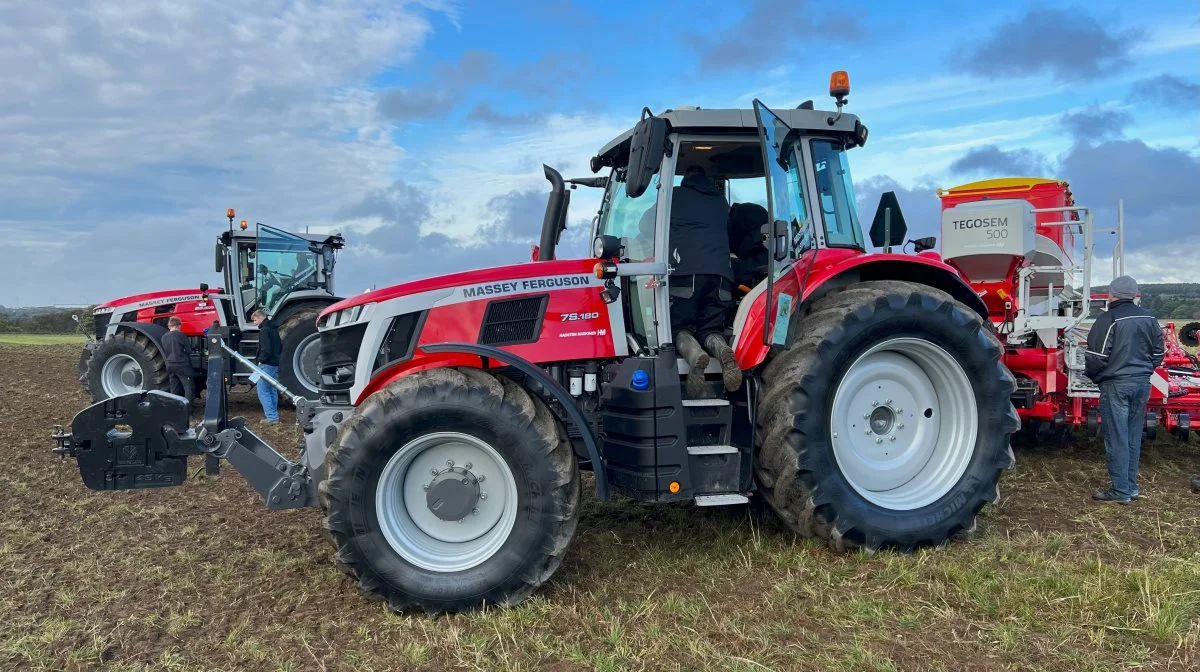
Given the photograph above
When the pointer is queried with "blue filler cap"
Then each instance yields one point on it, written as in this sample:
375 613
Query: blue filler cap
641 381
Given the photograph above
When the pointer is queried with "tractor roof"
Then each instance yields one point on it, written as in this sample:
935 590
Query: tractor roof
694 120
332 239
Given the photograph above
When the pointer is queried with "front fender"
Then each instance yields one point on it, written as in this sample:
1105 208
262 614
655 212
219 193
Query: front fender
836 268
150 330
438 355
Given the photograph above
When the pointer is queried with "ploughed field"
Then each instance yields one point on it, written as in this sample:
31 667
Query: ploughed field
204 578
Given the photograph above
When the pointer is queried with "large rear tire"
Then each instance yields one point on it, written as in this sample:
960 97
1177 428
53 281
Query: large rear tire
885 423
451 489
126 363
300 343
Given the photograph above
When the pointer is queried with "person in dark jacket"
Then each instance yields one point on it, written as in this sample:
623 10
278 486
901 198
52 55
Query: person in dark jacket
1124 346
269 348
177 351
701 281
746 221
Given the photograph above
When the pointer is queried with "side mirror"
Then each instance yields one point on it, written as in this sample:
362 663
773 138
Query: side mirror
219 257
779 240
888 228
647 146
203 287
75 318
922 244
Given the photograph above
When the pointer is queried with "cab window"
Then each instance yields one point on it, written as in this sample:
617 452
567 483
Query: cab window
835 192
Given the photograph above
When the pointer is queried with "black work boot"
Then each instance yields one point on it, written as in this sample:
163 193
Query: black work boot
697 360
1107 495
715 344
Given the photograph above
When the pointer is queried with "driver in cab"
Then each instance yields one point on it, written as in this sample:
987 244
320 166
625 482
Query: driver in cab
701 280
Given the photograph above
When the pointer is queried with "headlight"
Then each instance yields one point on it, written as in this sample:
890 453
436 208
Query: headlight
345 317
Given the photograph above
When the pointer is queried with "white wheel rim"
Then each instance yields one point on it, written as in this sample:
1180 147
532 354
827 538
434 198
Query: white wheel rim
416 532
304 362
904 423
120 375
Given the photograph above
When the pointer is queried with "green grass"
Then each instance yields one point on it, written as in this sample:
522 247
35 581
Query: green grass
41 339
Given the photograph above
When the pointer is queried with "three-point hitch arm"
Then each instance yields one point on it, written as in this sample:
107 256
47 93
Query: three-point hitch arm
143 440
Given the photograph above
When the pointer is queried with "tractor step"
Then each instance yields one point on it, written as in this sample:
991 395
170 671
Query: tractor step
721 500
711 450
705 402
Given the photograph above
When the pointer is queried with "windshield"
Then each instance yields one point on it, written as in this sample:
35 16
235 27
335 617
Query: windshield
631 218
836 195
285 264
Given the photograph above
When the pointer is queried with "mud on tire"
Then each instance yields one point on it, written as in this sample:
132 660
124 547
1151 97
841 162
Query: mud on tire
797 466
126 345
493 410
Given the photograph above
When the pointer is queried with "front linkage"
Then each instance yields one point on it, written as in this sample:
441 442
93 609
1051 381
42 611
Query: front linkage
143 439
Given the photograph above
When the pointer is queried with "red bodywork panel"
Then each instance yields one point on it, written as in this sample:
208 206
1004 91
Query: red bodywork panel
576 325
821 266
196 312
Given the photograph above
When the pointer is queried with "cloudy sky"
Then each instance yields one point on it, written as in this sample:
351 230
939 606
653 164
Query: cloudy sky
418 129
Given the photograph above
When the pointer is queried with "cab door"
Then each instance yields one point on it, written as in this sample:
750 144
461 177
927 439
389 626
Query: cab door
792 240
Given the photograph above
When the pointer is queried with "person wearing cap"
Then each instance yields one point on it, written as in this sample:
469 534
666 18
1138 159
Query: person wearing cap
1124 347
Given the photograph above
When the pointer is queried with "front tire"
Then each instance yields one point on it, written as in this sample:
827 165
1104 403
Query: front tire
126 363
886 420
300 343
433 541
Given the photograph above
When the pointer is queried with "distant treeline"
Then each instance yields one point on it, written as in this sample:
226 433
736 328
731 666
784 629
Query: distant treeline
1169 301
42 320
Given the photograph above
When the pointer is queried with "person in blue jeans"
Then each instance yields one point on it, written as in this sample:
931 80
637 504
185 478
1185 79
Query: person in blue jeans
269 348
1124 346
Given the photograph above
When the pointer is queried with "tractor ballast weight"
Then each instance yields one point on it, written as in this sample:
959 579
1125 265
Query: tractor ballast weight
288 275
456 413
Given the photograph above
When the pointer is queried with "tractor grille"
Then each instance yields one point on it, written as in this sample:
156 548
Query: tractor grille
513 321
339 352
101 324
398 345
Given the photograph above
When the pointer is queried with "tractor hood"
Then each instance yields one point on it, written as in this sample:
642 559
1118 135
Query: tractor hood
514 279
149 299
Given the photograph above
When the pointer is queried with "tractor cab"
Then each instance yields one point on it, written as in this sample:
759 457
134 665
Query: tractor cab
785 180
265 267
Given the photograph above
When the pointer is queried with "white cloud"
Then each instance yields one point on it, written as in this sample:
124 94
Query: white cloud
139 115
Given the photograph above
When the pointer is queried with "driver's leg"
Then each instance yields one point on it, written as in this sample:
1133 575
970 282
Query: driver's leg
684 303
715 299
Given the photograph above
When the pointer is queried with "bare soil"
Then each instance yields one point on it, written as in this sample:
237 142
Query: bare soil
202 577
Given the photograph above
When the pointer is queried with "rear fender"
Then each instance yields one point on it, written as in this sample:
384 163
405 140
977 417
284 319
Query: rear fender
837 268
437 355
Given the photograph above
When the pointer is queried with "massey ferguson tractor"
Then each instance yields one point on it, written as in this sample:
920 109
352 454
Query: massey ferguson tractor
289 276
456 413
1027 248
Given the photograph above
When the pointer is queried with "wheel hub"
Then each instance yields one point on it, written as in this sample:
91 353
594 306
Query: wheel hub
452 494
131 377
883 418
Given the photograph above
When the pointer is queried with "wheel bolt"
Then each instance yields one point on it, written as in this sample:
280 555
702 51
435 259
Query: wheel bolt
481 478
879 440
900 426
434 472
891 438
426 486
866 416
867 431
835 435
483 495
466 482
474 512
888 401
874 404
467 465
449 463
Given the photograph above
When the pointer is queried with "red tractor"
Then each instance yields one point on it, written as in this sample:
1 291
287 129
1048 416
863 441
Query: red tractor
456 413
289 276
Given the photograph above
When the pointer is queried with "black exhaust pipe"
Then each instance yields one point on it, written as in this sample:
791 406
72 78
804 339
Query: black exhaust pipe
552 222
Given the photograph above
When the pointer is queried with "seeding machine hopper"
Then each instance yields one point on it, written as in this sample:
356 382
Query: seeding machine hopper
1027 248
